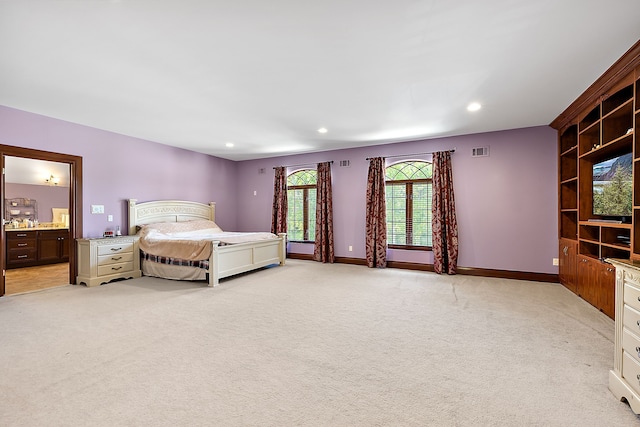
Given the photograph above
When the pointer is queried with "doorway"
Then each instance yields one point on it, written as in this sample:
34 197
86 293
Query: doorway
73 218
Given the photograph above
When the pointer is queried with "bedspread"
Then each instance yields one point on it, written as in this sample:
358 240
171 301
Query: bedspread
191 240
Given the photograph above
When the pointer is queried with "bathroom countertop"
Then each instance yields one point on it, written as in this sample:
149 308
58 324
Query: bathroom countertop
35 228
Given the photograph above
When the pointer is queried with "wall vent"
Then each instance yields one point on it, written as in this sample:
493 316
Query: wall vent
345 163
262 171
480 152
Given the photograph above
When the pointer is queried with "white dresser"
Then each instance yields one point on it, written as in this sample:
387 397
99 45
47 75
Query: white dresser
624 379
103 260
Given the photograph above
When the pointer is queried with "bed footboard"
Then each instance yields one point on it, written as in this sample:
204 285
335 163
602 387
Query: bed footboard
229 260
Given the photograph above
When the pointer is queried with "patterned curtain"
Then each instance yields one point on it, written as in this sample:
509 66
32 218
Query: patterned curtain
279 212
376 230
323 249
444 223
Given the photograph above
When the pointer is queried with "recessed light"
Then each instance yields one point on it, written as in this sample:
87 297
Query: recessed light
474 106
322 130
229 144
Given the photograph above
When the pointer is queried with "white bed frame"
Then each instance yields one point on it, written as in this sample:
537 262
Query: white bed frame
225 261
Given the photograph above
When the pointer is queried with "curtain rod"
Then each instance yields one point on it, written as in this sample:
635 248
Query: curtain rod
301 164
413 154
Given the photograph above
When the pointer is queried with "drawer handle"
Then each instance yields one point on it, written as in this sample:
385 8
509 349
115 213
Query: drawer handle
21 235
22 244
116 249
116 268
638 351
23 256
116 258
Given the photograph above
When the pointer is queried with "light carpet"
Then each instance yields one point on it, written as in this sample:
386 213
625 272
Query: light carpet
308 344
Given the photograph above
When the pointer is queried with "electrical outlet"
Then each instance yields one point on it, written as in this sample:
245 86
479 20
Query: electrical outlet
97 209
110 218
556 261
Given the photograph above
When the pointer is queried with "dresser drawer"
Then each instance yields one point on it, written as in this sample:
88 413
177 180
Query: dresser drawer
121 267
115 258
631 371
631 319
115 249
631 344
632 296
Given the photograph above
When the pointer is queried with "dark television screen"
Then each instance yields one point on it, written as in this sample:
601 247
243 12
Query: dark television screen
612 187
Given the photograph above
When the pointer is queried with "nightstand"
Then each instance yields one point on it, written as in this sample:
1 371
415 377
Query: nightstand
105 259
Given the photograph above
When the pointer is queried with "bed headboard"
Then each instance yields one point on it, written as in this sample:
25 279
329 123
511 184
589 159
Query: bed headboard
167 211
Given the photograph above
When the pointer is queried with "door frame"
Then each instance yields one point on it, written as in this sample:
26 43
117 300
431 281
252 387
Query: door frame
75 202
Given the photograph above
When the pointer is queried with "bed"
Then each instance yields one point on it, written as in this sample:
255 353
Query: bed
224 258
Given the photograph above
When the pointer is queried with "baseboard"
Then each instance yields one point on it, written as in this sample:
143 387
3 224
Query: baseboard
467 271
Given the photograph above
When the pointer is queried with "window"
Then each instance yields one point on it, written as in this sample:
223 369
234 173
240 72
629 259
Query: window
301 211
408 192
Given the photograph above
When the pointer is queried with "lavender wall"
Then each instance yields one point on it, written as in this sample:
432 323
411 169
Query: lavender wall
118 167
506 203
47 197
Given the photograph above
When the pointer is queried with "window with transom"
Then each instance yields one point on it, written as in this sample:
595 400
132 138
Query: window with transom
408 190
301 212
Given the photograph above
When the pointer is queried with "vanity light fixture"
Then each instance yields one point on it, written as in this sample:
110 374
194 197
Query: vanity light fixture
52 180
229 144
322 130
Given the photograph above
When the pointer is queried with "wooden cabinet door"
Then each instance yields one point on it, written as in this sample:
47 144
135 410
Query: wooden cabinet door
64 246
567 270
607 290
48 247
587 285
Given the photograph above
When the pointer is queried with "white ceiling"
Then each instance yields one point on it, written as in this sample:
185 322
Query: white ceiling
19 170
266 74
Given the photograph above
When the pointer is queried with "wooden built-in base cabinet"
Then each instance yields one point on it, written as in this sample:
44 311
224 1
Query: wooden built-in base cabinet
596 284
28 247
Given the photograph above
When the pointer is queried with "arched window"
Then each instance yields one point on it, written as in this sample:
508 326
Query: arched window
301 213
408 193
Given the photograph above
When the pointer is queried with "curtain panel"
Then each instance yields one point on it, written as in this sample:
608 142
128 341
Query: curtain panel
376 215
444 223
279 211
323 250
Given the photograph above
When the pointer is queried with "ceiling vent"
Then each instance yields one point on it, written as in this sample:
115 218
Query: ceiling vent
480 152
345 163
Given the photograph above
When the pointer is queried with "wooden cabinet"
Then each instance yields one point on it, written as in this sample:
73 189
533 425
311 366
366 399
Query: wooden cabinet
103 260
600 126
26 248
22 248
53 245
596 284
